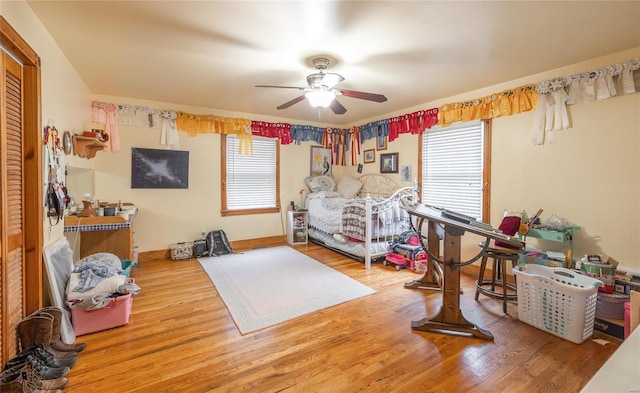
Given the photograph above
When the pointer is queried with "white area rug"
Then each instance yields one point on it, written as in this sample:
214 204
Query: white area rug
262 288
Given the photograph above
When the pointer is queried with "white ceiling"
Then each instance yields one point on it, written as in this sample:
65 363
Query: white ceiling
211 53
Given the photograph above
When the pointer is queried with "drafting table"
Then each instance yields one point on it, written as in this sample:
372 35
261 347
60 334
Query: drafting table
450 319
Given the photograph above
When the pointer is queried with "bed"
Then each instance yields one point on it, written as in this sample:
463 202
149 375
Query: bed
357 217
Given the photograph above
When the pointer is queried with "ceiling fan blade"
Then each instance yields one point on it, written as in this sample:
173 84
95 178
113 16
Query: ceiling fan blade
292 102
283 87
362 95
337 107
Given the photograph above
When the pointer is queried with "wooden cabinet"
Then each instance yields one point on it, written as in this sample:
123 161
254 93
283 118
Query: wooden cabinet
297 232
102 234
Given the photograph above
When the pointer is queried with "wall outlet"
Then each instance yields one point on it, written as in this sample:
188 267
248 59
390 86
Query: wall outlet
203 233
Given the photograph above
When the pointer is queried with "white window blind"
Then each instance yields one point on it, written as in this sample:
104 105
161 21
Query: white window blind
452 167
251 180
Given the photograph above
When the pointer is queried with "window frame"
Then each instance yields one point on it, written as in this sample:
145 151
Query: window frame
223 183
486 171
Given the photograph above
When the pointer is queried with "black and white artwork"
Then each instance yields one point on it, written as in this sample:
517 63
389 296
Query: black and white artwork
155 168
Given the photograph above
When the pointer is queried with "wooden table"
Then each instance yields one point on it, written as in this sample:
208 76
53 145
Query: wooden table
450 319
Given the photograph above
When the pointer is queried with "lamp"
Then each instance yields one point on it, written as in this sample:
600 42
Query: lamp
320 98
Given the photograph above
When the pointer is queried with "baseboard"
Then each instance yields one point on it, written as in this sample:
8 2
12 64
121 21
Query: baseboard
238 245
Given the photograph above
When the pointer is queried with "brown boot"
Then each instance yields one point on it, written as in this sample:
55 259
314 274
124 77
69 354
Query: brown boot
56 342
37 329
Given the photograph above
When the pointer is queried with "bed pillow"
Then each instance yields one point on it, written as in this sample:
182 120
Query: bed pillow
349 187
320 183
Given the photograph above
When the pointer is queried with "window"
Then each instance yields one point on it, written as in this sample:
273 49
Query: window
455 168
250 183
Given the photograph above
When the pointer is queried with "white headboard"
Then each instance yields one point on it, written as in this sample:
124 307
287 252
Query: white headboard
377 186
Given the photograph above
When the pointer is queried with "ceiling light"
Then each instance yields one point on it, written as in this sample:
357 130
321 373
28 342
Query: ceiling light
320 98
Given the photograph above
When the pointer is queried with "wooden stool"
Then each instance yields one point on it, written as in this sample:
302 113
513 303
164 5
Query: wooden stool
497 286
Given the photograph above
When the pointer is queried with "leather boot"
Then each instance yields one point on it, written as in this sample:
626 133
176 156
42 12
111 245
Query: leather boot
56 342
47 357
26 374
36 330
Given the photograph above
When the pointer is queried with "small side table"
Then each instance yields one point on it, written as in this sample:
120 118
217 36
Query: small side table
297 230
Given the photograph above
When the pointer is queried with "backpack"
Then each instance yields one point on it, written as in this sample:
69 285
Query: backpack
217 243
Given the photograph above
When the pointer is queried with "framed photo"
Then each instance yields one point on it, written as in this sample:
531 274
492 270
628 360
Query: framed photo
405 173
369 156
156 168
320 161
389 163
381 142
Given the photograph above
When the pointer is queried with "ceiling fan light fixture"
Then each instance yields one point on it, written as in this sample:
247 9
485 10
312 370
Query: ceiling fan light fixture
320 98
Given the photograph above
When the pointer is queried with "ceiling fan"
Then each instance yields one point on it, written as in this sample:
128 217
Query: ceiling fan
322 92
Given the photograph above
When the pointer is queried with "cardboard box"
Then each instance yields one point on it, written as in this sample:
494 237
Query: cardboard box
612 327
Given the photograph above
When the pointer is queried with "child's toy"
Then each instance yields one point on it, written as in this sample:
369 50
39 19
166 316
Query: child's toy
399 261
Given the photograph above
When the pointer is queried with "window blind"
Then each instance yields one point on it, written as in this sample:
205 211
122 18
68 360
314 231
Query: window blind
452 167
251 180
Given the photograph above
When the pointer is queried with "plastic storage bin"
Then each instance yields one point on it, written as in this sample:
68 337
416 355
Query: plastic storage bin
611 305
557 300
116 314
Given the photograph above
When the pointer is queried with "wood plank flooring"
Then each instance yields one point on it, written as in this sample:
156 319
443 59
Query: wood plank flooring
181 339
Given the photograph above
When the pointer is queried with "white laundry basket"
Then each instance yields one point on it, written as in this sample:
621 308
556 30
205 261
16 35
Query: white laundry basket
557 300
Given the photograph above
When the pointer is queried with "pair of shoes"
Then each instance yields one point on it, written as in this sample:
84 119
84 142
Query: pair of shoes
56 341
46 372
47 357
31 379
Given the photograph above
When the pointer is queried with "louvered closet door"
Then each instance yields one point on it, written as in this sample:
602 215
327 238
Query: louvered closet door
11 205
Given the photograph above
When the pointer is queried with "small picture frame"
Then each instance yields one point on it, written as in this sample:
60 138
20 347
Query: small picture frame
381 142
320 161
369 156
389 163
405 173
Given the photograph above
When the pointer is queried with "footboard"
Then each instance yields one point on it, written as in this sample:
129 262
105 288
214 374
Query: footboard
385 220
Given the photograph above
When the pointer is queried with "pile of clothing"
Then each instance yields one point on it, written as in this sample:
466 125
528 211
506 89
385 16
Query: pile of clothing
96 279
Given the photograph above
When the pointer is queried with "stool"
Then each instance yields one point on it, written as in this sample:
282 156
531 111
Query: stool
498 286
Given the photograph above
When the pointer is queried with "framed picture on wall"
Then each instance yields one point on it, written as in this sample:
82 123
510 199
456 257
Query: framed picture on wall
369 156
320 161
381 142
389 163
157 168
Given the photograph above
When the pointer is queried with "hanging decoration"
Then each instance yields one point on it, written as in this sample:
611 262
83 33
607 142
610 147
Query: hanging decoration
374 129
412 123
282 131
305 133
107 114
599 84
549 98
168 129
508 102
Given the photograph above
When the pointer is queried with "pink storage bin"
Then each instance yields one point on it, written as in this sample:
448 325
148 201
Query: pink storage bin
116 314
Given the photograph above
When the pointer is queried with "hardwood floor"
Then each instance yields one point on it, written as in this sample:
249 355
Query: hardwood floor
181 339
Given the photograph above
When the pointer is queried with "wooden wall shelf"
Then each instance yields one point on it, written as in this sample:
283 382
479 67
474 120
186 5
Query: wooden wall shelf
87 147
